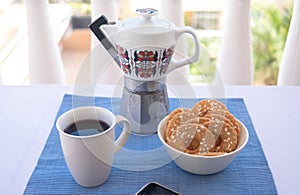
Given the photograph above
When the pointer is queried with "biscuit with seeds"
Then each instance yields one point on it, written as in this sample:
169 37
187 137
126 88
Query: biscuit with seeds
207 129
192 139
226 116
178 119
174 112
198 120
225 134
204 106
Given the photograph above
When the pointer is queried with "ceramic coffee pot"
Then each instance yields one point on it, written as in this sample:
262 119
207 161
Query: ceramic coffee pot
143 47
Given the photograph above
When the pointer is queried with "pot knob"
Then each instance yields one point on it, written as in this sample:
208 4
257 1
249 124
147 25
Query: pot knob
146 13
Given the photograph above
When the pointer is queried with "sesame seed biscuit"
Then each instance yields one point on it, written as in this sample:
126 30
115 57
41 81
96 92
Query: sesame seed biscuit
203 106
178 119
218 118
225 134
220 111
234 122
192 139
229 118
207 129
198 120
174 112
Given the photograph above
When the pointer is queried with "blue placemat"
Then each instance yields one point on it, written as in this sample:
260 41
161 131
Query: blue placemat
247 174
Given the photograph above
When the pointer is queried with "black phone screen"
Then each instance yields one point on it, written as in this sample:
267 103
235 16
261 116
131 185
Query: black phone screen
154 189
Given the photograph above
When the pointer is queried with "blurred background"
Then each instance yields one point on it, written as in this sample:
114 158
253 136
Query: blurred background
270 21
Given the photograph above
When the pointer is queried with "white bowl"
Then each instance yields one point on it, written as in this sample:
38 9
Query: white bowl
203 165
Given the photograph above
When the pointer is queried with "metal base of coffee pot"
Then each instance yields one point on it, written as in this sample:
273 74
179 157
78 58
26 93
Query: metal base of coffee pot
144 104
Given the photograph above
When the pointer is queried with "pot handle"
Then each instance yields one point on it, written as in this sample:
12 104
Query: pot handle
190 59
95 28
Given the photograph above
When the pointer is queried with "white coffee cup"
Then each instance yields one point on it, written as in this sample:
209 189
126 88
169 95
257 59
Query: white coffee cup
89 157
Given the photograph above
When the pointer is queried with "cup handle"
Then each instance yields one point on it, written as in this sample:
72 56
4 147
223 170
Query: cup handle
193 58
119 143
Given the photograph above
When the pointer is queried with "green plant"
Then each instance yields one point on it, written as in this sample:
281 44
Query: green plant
269 32
270 25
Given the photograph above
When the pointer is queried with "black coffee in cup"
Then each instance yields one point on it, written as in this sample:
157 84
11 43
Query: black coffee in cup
86 127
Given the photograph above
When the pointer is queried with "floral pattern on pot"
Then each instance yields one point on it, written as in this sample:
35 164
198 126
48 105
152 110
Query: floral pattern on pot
166 59
124 59
145 64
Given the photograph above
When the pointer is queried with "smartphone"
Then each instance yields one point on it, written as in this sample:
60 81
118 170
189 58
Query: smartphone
154 188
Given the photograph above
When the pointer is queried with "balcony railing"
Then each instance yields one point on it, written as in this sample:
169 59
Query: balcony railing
14 65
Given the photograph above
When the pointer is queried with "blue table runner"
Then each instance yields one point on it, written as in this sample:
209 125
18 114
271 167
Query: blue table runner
144 160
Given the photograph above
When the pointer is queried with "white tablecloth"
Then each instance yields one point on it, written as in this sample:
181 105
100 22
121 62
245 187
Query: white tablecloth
28 112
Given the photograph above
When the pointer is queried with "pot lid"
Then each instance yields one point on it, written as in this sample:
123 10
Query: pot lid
147 23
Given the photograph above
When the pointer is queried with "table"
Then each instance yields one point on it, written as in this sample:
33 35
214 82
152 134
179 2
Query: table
28 113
